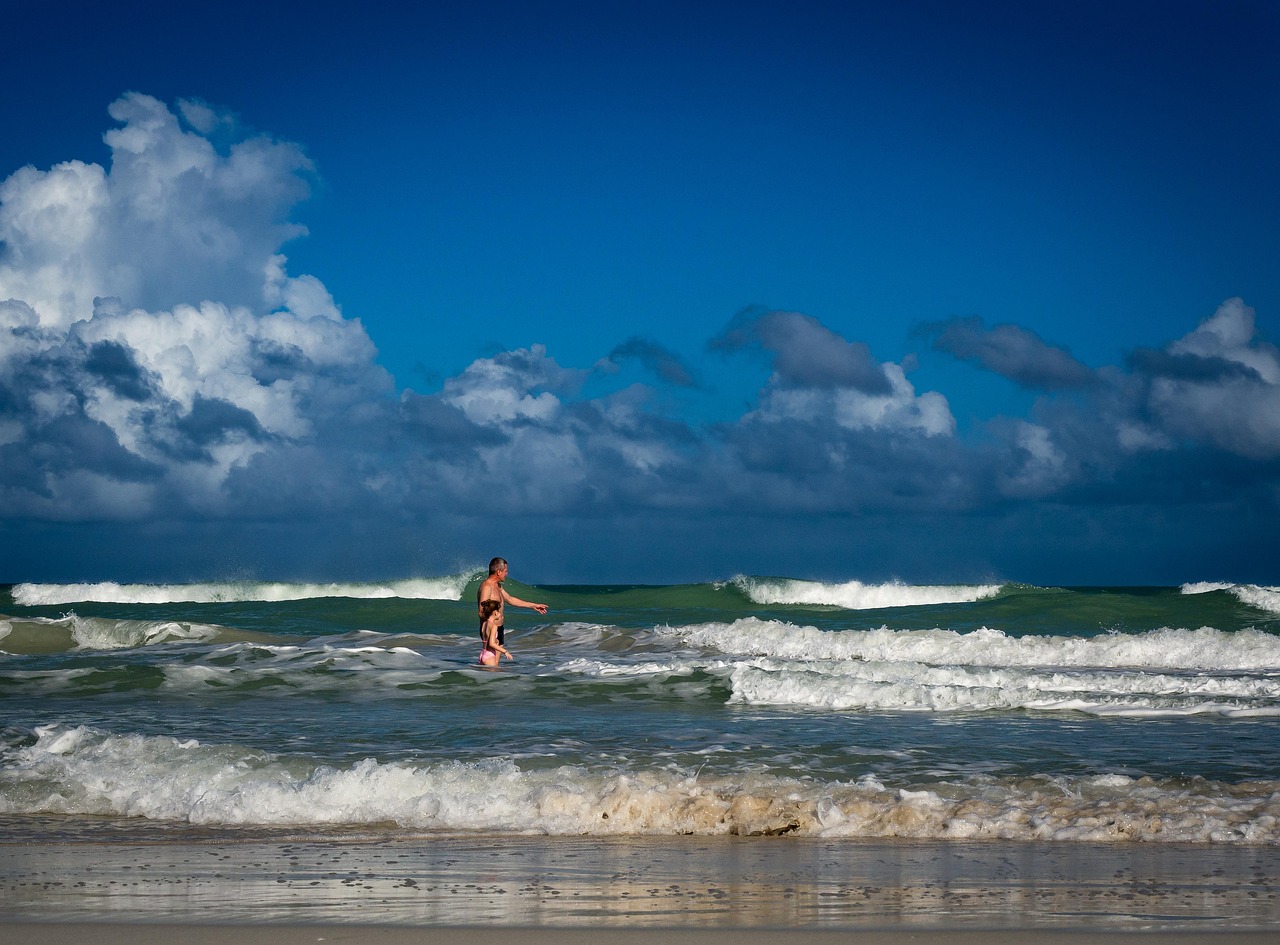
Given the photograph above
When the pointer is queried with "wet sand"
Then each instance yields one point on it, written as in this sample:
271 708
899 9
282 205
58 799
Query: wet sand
51 934
427 889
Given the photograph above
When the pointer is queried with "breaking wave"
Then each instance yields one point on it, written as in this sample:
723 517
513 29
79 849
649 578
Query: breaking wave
1205 649
81 770
1263 598
854 595
37 595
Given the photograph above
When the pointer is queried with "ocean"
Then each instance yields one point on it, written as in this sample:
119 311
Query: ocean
749 707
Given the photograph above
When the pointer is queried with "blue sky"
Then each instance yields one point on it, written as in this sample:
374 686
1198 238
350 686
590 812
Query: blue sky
641 292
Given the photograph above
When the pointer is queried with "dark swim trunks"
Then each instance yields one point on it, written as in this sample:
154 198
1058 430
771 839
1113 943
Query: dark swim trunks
502 640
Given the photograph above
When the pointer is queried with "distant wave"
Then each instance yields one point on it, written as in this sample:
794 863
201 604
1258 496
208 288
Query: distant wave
81 770
449 587
1263 598
854 595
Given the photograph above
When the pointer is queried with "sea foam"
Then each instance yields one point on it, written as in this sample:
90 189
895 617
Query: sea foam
80 770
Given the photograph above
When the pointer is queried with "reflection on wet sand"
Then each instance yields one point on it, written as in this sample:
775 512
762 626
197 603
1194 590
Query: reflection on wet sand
645 883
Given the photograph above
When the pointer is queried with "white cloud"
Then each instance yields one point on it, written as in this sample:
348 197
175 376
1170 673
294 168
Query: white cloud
1230 333
149 308
1038 466
1222 386
506 388
173 221
852 409
49 231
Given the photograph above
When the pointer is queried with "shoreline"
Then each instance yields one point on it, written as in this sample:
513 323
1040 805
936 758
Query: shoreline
108 934
632 887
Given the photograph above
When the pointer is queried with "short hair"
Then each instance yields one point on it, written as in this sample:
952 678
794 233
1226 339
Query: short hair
496 564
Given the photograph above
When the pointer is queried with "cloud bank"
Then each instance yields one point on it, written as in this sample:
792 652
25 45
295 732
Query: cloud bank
158 362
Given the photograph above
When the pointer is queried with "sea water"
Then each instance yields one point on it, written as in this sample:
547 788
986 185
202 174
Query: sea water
753 706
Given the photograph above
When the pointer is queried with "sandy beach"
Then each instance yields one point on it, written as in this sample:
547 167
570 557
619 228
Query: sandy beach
469 889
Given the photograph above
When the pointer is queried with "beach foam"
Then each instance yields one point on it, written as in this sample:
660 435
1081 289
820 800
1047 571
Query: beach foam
81 770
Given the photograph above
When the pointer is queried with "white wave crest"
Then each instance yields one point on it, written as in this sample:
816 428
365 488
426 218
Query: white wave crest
36 595
1205 587
1170 649
85 771
854 595
1263 598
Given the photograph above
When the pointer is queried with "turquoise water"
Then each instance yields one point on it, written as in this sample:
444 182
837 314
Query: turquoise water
744 707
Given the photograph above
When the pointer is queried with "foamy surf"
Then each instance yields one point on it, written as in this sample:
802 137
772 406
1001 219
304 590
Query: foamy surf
672 710
1204 649
81 770
854 595
909 687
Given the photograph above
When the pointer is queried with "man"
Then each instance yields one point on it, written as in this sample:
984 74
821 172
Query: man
491 589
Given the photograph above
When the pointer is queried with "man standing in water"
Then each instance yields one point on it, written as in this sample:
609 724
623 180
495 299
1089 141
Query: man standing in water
491 589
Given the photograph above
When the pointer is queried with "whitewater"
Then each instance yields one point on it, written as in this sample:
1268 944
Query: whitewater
754 706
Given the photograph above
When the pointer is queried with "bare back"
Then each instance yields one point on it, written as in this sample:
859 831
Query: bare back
491 590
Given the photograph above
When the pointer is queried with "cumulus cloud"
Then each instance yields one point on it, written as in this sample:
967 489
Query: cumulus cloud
155 341
1010 351
1219 384
820 377
1195 418
532 440
159 361
512 387
899 409
805 353
172 221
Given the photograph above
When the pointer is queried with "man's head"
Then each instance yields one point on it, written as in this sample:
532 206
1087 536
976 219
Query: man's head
497 564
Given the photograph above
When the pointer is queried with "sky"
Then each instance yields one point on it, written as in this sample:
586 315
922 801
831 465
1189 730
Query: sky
641 292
